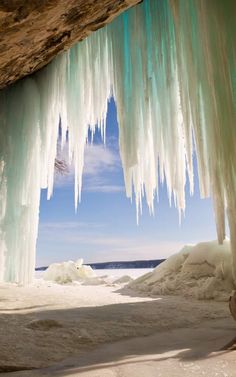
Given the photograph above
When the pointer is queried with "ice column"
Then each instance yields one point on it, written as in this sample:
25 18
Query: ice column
170 65
74 91
206 54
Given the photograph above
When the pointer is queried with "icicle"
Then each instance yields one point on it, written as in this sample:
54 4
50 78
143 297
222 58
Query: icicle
206 69
170 66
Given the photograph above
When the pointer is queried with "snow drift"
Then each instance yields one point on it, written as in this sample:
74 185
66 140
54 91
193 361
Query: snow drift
202 271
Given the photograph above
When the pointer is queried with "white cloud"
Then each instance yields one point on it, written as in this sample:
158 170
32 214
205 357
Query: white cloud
100 161
95 245
99 158
103 188
68 225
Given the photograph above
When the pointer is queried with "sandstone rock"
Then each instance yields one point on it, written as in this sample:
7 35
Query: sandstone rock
33 32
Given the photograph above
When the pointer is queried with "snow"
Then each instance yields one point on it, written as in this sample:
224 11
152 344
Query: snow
202 271
67 272
75 329
171 70
114 273
123 280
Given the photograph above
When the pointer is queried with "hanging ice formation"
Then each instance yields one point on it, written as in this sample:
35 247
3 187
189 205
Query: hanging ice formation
170 66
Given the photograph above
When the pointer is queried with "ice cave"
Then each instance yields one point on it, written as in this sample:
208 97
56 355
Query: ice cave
170 66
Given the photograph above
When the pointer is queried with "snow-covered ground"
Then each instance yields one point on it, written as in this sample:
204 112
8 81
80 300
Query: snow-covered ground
202 271
109 331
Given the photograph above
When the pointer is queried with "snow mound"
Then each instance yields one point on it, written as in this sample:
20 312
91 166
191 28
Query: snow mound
95 281
123 280
202 271
68 272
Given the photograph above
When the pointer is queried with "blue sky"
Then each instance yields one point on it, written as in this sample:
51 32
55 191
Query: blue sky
104 228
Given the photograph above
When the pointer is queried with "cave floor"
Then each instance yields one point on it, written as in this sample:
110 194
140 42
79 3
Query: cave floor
109 331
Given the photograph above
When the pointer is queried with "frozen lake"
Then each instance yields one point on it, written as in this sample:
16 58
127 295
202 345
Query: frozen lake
116 272
132 272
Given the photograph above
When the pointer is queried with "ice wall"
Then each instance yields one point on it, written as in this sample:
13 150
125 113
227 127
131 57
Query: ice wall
170 66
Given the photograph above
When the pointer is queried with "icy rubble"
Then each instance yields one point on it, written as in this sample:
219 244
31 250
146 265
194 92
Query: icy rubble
203 271
69 272
170 66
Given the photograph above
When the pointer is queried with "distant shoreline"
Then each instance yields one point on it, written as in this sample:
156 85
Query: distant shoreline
119 264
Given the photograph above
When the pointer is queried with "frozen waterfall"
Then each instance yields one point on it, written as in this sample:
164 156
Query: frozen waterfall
170 65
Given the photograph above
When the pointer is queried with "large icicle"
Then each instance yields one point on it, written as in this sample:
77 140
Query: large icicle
171 67
206 54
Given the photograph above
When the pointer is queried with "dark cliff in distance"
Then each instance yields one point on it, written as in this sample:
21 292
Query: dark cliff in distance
120 264
127 264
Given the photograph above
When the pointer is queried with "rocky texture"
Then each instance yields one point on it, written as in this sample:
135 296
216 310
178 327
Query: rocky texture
33 32
232 304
